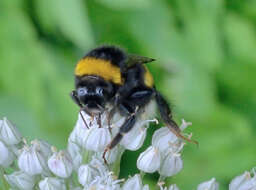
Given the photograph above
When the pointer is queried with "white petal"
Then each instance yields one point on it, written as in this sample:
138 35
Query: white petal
51 183
173 187
79 134
86 174
97 139
9 133
112 155
145 187
43 147
134 139
162 139
239 180
32 160
21 180
149 160
248 185
76 154
208 185
61 164
133 183
7 156
171 165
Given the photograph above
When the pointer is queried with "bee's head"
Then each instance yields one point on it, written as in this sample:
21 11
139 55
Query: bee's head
93 92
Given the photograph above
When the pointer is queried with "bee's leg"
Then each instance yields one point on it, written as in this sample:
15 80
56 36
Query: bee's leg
125 128
110 116
166 115
131 107
74 97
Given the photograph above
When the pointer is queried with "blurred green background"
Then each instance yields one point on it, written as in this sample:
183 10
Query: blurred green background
206 66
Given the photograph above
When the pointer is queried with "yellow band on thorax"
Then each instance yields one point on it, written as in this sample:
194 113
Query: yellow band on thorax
148 78
99 67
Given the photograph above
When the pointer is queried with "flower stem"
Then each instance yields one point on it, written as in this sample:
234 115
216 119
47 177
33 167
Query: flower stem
116 166
86 157
5 184
142 174
161 179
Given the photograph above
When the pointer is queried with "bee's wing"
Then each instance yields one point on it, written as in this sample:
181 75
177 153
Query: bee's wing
137 59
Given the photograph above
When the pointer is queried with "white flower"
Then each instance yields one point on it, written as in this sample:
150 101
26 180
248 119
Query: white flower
86 174
9 133
20 180
7 157
171 165
208 185
99 165
145 187
105 182
243 182
173 187
79 134
32 160
97 139
112 155
43 147
134 139
76 154
133 183
51 183
239 181
163 138
60 163
149 160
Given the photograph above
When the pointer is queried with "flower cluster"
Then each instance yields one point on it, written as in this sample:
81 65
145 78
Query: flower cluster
39 165
164 155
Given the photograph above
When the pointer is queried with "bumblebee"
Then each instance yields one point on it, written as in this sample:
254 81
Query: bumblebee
107 76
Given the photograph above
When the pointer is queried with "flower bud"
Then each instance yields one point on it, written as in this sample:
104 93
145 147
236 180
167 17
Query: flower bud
171 165
7 157
79 134
239 181
76 154
173 187
86 174
246 183
134 139
99 165
21 180
162 138
145 187
9 133
43 147
97 139
60 163
149 160
209 185
133 183
32 160
52 183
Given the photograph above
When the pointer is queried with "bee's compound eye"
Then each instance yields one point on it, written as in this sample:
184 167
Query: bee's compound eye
81 91
99 90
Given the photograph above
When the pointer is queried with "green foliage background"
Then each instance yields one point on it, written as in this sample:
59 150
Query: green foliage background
206 66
